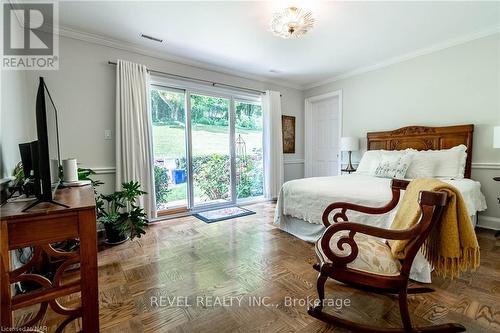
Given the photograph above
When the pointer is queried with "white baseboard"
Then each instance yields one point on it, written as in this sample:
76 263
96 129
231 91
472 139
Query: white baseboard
488 222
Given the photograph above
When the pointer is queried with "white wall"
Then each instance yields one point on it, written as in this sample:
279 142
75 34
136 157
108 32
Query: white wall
17 119
457 85
84 92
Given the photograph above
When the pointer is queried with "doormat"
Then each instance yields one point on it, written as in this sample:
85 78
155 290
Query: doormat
223 214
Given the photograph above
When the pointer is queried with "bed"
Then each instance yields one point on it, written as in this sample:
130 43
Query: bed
301 202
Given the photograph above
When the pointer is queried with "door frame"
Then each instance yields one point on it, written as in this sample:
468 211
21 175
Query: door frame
233 96
308 130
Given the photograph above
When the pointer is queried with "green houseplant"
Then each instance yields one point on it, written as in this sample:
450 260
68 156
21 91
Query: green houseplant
121 217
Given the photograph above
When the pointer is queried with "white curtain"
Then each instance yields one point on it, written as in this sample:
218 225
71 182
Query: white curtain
134 149
273 144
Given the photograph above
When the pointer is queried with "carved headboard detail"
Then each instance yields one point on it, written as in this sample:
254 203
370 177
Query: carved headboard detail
424 138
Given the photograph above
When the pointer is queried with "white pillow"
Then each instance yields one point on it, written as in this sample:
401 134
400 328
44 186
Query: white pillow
394 165
372 158
369 162
445 163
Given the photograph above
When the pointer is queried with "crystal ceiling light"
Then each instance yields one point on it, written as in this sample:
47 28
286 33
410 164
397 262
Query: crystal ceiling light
292 22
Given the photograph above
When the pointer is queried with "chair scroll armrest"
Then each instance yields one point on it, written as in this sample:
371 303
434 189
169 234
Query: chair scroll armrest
396 187
353 228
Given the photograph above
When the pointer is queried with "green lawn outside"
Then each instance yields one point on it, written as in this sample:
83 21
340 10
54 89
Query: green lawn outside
169 142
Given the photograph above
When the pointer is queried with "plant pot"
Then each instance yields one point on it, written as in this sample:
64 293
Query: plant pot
113 237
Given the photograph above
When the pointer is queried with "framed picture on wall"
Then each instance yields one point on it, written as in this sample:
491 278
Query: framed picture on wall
288 128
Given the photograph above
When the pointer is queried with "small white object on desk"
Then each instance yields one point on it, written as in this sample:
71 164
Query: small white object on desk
70 170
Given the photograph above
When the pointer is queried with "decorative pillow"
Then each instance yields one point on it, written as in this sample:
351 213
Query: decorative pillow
369 163
371 160
445 163
393 166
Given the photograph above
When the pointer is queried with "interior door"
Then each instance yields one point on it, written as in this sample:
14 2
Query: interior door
322 137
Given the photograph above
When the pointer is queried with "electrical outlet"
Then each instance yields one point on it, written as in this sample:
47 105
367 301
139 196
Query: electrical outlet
107 134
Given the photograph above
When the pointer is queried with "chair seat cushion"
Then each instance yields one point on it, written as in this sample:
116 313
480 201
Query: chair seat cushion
374 255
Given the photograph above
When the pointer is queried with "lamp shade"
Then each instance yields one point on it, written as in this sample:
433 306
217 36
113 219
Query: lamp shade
349 143
496 137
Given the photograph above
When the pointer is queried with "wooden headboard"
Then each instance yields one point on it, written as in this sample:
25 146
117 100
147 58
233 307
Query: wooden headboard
424 138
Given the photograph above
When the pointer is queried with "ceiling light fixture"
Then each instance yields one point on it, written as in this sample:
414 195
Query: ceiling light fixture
292 22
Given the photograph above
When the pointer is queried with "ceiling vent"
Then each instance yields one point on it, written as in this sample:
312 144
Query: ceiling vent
159 40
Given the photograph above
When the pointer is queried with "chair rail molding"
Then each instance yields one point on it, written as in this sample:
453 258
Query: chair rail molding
477 165
486 165
293 161
104 170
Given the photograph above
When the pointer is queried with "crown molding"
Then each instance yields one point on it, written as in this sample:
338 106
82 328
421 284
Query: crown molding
408 56
138 49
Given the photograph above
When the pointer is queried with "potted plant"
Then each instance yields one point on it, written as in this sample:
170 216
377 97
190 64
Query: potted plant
22 183
122 218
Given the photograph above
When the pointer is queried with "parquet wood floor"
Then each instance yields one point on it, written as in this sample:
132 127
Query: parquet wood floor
248 257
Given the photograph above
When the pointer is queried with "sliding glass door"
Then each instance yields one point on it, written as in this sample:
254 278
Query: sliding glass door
211 149
168 109
248 147
207 149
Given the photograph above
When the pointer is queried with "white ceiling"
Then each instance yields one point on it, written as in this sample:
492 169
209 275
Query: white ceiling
235 35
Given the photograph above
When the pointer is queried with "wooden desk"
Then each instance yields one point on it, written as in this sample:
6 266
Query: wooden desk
39 228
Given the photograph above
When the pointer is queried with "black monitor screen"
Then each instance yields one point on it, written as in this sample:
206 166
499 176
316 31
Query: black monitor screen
53 140
48 143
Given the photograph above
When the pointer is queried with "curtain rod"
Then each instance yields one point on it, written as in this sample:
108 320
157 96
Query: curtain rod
199 80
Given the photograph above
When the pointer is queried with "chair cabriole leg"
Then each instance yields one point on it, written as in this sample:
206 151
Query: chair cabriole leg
403 309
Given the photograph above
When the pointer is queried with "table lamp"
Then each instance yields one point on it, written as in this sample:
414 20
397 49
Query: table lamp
349 144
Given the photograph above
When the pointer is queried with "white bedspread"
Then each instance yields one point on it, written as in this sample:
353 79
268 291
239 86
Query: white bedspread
307 198
301 204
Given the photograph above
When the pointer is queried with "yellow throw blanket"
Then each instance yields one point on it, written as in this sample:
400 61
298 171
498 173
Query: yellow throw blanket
452 245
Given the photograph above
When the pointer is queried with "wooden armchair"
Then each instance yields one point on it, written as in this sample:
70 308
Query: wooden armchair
369 264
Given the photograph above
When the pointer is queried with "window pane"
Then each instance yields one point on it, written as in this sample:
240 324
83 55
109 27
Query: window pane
169 148
210 149
249 165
